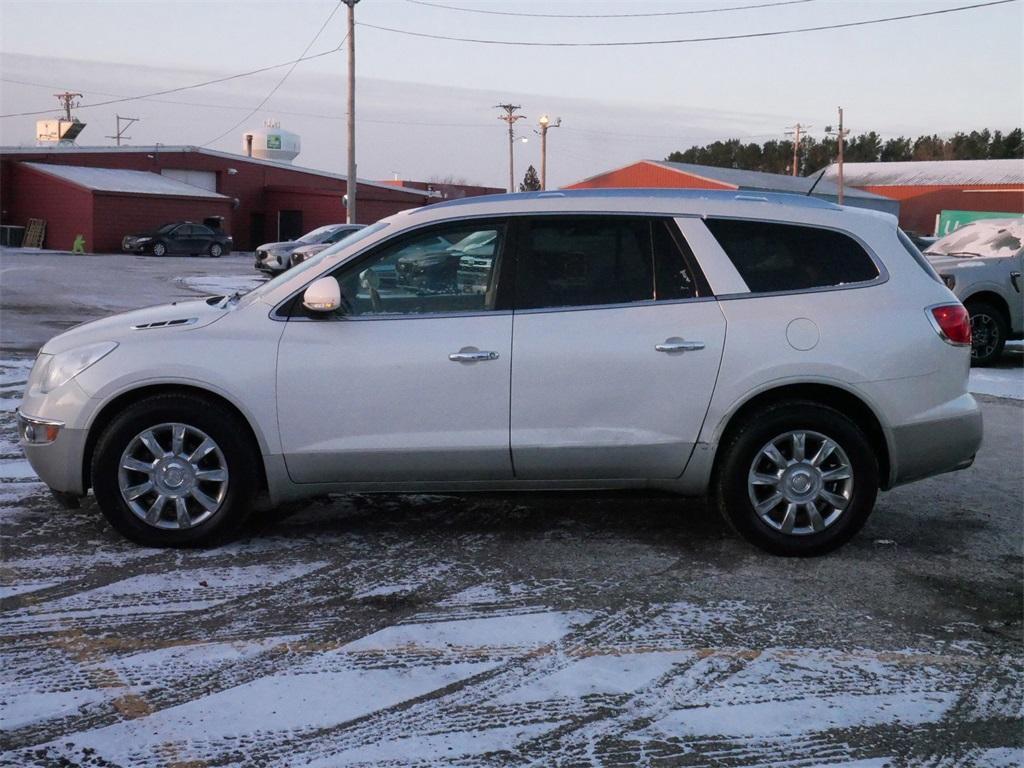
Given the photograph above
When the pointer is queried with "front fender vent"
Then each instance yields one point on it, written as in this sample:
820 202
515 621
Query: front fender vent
165 323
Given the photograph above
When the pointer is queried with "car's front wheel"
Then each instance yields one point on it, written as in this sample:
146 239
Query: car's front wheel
159 249
173 470
989 330
216 249
797 479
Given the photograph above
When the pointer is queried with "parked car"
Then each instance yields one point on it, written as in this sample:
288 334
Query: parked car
476 257
180 237
431 267
982 263
302 253
599 359
276 257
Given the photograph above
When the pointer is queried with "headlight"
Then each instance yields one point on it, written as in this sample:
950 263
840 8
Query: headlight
141 240
57 370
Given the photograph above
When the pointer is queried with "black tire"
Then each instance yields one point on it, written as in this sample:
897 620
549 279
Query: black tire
742 445
159 249
216 249
227 432
989 329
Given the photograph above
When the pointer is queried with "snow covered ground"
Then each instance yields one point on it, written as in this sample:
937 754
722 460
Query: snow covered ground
434 630
550 629
1006 380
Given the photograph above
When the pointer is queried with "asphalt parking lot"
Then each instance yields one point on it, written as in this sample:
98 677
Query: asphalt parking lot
493 630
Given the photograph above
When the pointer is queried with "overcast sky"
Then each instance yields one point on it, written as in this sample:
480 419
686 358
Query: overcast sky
425 106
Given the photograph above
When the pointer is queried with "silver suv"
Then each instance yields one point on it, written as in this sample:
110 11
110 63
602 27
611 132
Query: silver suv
982 263
788 356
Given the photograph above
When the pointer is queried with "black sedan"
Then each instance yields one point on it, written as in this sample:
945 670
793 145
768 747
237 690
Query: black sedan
180 237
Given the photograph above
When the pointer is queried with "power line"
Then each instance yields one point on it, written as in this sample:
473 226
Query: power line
607 15
280 82
378 121
184 87
714 38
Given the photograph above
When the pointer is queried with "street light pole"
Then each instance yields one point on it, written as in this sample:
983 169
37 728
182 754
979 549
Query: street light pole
351 182
510 117
545 123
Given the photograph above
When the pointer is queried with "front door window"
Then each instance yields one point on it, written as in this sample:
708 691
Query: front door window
440 271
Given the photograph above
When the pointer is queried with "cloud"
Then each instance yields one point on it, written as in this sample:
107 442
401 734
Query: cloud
416 130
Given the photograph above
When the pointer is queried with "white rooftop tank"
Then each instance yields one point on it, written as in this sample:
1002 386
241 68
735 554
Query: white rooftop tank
271 143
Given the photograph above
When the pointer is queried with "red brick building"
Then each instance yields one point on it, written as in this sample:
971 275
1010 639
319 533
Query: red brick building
447 191
259 200
925 188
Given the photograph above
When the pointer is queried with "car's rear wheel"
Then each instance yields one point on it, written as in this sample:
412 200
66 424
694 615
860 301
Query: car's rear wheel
173 470
216 249
159 249
797 479
989 329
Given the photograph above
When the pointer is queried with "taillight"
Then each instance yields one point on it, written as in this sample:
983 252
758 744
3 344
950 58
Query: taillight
952 322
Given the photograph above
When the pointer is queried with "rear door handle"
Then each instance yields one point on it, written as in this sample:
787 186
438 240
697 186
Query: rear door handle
472 355
675 344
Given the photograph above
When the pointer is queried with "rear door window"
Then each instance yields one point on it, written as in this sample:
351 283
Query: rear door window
580 261
773 257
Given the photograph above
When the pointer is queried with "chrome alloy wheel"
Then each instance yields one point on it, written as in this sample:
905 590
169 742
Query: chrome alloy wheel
800 482
173 476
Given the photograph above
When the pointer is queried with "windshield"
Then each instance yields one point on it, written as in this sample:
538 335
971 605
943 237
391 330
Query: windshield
341 234
315 261
166 228
319 234
981 239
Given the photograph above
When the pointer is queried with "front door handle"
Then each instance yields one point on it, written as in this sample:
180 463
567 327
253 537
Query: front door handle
472 355
675 344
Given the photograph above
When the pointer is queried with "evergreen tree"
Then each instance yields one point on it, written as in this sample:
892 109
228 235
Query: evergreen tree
531 181
897 149
777 156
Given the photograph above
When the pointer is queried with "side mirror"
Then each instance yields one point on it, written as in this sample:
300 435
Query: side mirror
323 295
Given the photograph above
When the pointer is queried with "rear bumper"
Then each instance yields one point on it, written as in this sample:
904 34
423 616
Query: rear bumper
944 443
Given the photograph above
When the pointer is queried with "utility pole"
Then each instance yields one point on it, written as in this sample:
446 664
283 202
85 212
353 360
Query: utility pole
120 131
840 135
545 123
351 182
795 133
510 117
67 100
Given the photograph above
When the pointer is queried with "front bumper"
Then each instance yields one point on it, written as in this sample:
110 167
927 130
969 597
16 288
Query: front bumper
272 263
947 442
58 463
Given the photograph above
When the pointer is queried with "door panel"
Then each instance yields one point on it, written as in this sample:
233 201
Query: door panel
380 400
593 398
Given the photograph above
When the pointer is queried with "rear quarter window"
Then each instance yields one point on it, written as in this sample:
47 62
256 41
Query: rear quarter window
772 257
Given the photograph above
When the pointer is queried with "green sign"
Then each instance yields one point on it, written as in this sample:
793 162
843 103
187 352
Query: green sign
273 141
950 220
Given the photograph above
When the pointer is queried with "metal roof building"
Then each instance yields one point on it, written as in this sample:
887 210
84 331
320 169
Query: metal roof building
931 173
104 193
925 188
664 174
